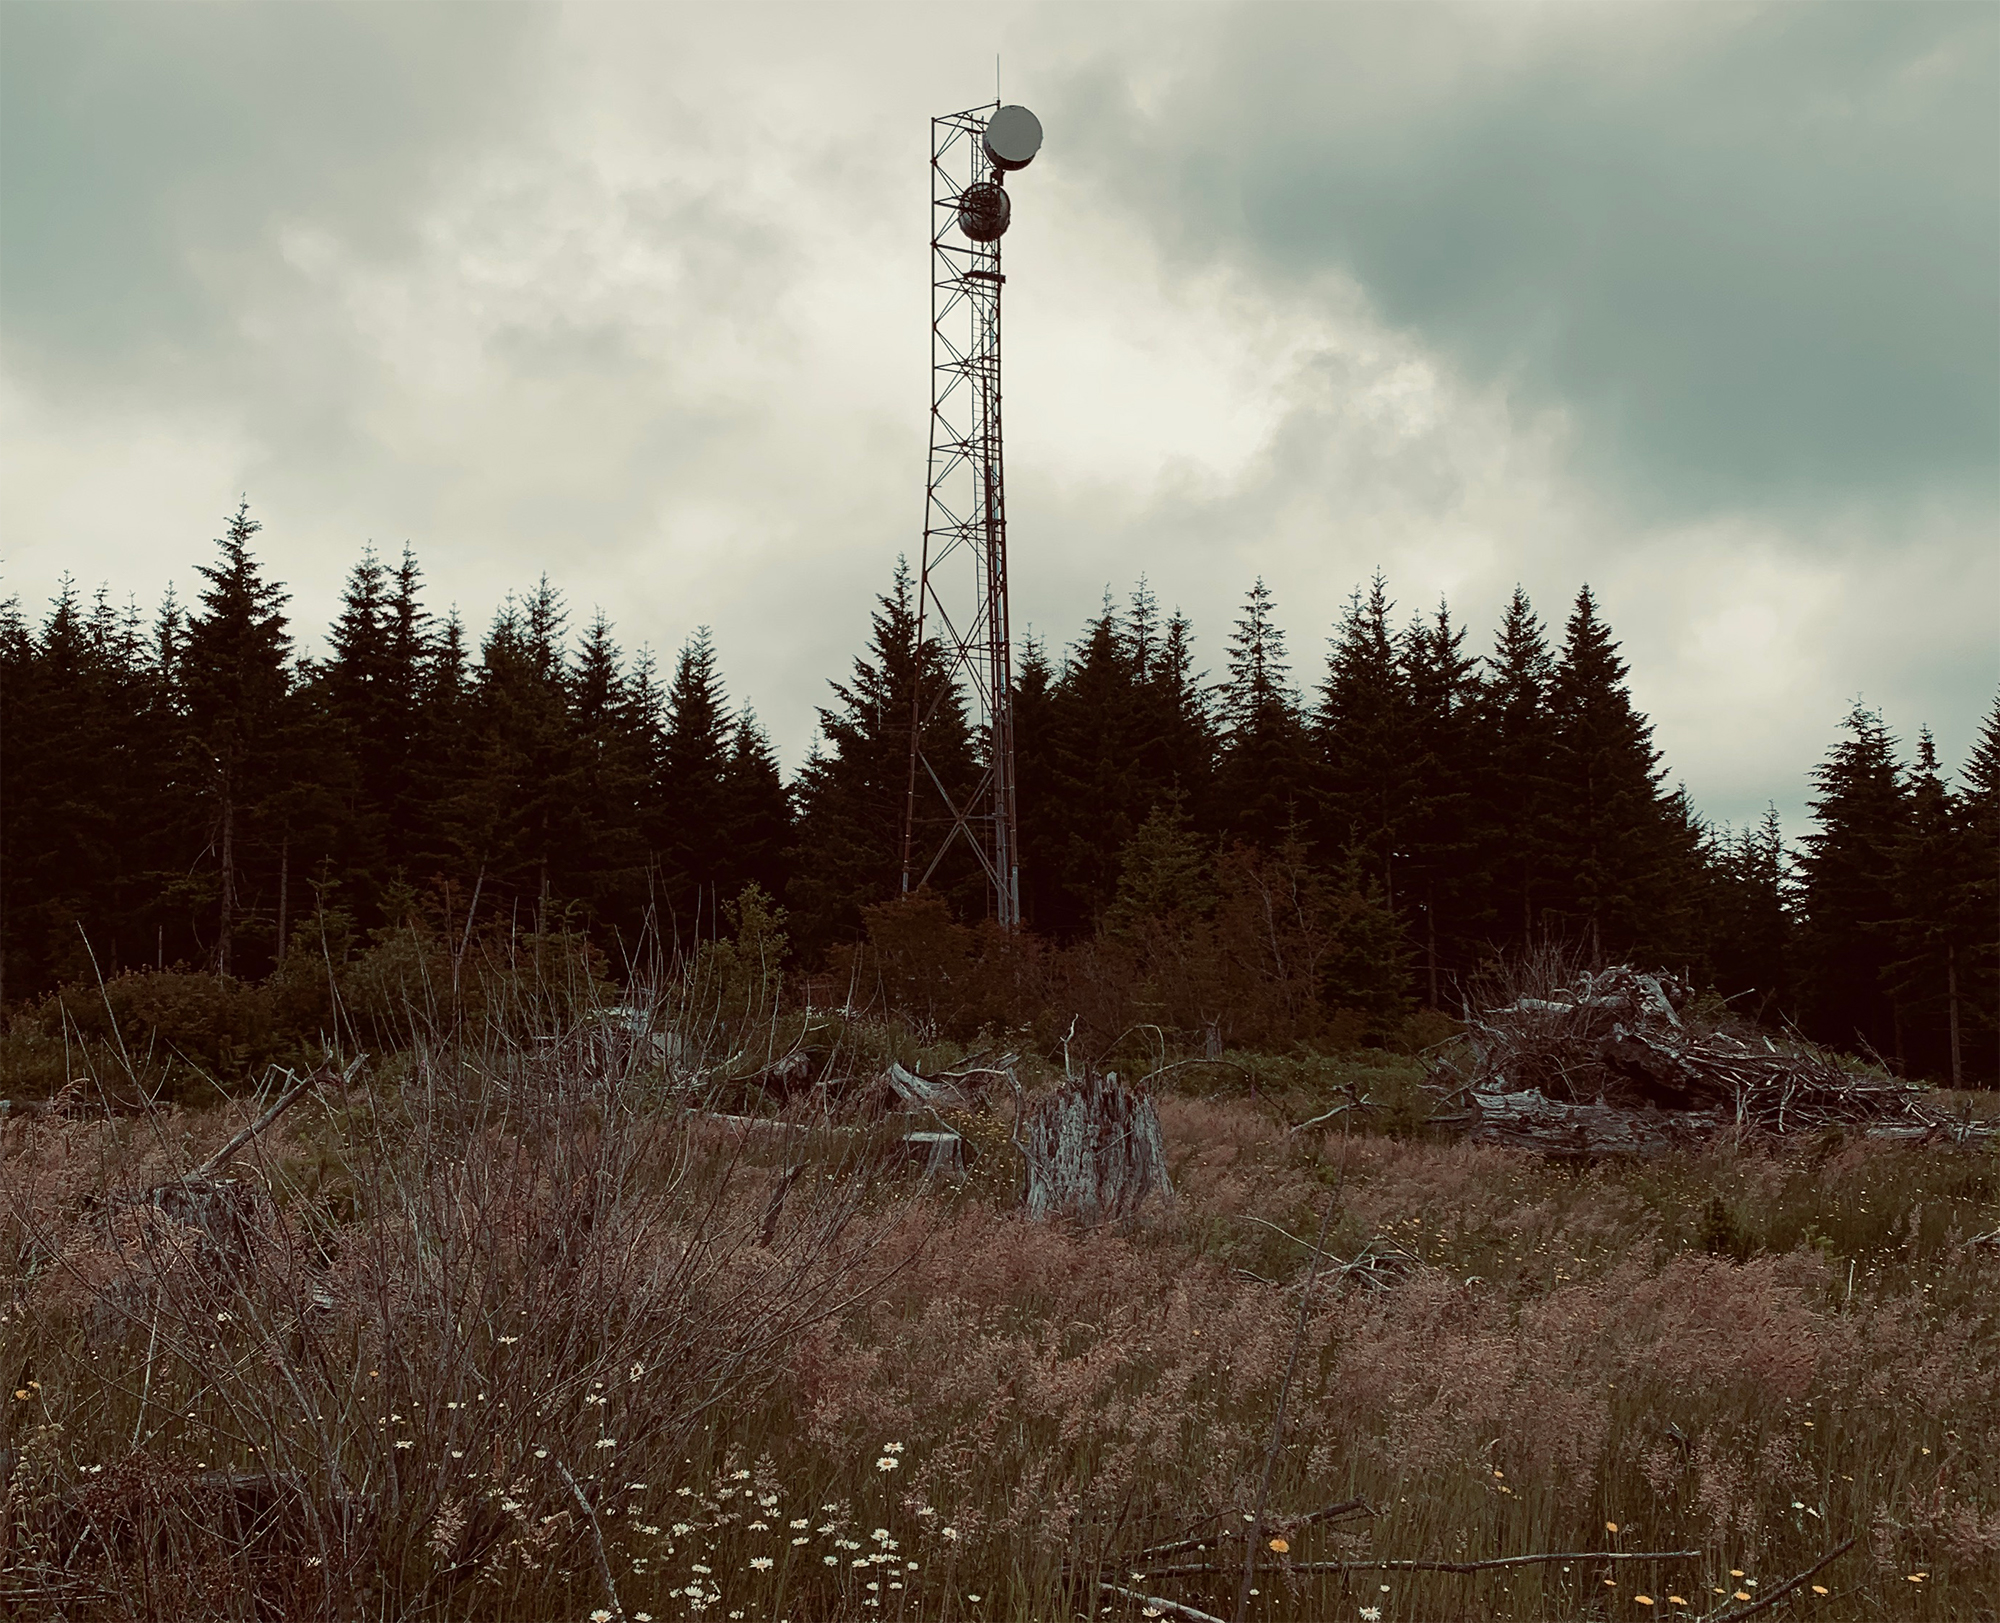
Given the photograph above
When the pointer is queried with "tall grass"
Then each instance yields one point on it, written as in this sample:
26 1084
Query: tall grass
515 1327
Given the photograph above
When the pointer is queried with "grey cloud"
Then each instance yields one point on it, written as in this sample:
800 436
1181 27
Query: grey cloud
146 150
1753 251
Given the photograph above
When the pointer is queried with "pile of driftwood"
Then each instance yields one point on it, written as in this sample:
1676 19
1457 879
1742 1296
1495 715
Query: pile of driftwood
1617 1062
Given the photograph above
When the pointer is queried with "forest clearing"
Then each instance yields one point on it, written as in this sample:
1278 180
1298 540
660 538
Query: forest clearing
584 1305
1354 978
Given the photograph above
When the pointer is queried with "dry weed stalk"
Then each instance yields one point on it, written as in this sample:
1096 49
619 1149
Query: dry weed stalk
381 1346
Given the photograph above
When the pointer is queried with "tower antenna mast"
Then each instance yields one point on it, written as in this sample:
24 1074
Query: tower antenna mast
962 586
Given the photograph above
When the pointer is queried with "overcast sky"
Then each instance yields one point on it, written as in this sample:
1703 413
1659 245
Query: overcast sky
1699 304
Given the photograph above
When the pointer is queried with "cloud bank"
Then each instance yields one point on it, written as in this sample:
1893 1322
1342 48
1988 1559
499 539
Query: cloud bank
1697 304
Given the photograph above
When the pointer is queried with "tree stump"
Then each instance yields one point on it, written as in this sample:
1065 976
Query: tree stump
942 1154
1094 1151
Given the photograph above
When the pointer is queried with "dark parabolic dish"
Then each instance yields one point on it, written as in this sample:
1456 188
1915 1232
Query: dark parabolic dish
983 211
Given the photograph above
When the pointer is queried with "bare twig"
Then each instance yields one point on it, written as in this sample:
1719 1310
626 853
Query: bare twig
1337 1110
1785 1588
1182 1064
291 1096
1265 1222
596 1539
1179 1608
1456 1566
1346 1507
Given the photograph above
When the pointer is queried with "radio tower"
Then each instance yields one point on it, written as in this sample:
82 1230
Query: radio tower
962 588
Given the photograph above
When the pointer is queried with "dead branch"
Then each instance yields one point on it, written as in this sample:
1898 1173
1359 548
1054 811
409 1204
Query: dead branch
596 1539
1786 1587
291 1096
1179 1608
1448 1566
925 1092
1363 1103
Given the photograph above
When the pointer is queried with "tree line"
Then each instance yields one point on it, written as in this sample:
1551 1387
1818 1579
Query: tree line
185 788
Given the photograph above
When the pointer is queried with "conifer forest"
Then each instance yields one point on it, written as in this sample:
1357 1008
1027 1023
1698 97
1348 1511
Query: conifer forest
1349 839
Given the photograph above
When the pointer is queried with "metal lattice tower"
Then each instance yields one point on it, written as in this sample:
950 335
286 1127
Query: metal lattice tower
962 587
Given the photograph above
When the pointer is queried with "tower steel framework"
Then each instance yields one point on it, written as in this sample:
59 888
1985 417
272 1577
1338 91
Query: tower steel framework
962 589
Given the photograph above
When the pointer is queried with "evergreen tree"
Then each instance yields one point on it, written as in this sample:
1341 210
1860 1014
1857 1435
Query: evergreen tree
369 723
1100 791
516 812
235 682
1613 866
1044 902
406 677
694 838
1264 778
1935 867
1749 944
19 889
1366 734
82 790
1516 789
1182 729
1976 908
853 788
442 753
1164 875
607 871
1849 892
756 811
1441 881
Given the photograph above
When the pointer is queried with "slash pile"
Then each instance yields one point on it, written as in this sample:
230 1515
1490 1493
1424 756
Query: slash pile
1619 1062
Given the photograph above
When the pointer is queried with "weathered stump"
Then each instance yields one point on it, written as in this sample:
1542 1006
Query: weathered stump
1094 1151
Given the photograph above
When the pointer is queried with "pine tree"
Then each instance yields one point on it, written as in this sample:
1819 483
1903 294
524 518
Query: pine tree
17 878
1849 894
406 656
1182 726
236 687
757 812
608 870
1750 926
1044 901
368 725
82 791
1516 790
1164 874
1100 791
853 788
1976 907
694 758
442 753
1265 777
1935 867
516 812
1364 726
1613 857
1440 873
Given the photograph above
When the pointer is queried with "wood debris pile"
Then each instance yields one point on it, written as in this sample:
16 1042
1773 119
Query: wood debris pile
1619 1062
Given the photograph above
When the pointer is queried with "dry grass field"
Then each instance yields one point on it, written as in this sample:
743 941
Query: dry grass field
499 1328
